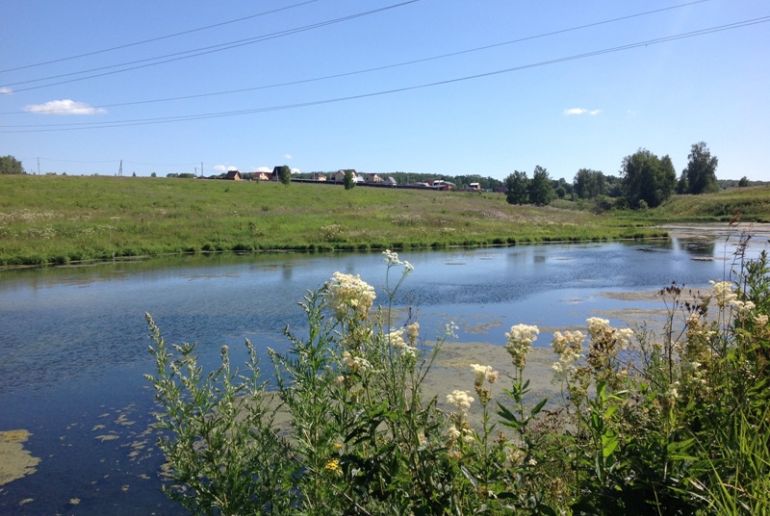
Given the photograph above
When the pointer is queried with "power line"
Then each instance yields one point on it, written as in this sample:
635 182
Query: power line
187 54
399 64
159 38
221 114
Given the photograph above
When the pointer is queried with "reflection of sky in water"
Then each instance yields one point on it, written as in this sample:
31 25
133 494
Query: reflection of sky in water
73 341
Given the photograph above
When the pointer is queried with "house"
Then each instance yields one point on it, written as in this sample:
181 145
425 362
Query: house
233 175
339 176
318 176
374 178
474 187
261 176
391 181
440 184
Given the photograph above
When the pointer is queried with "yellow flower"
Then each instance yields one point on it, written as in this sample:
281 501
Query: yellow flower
333 466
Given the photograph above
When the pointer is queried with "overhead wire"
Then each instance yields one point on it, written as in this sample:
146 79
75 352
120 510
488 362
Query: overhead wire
399 64
187 54
29 128
159 38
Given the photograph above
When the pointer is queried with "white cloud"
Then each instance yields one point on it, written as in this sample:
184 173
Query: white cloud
64 107
579 111
224 168
296 171
288 156
264 169
5 90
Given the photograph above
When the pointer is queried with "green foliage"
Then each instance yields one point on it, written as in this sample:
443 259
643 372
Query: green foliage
676 424
284 174
700 175
540 188
517 188
743 182
10 165
647 178
348 180
589 184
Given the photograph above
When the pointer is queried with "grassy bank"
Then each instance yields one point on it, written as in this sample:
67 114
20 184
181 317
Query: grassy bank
57 220
751 204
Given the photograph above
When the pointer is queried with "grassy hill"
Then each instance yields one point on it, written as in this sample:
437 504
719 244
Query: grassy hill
750 204
57 220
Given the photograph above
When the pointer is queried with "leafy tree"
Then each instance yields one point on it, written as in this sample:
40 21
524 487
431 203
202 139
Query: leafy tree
743 182
10 165
348 180
284 174
153 175
589 184
648 178
682 186
701 170
540 189
517 188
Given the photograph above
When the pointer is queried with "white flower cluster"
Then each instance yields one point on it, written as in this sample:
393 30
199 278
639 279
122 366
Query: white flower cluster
568 346
391 258
348 294
356 364
519 340
723 292
460 399
600 329
396 339
482 373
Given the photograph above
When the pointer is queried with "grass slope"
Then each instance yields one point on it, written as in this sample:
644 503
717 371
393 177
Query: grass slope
751 204
62 219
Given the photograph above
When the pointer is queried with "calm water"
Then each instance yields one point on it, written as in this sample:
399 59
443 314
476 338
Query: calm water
73 341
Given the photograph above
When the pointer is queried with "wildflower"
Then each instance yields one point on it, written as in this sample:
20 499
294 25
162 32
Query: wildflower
597 326
742 307
339 380
673 392
723 292
391 258
349 295
412 332
396 339
568 346
761 319
468 435
623 337
515 455
453 433
532 462
484 373
355 363
333 466
450 330
520 339
460 399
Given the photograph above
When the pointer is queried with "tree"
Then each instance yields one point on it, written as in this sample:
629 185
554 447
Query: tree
284 174
10 165
589 184
517 188
701 170
743 182
648 178
348 180
540 189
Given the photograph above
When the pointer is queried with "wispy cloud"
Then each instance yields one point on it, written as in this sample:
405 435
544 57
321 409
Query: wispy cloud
224 168
5 90
296 171
579 111
264 169
288 156
64 107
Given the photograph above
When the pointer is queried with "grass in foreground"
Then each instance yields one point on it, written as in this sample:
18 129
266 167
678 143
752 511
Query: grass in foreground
56 220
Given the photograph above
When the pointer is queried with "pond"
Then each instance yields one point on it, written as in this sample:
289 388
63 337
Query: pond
73 341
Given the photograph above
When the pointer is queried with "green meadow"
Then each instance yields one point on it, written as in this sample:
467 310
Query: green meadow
58 220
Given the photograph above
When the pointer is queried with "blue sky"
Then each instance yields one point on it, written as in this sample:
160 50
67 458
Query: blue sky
564 116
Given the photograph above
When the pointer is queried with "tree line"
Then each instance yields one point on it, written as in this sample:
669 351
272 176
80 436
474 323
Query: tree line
645 180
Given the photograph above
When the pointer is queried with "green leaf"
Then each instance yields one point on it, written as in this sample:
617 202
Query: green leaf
536 410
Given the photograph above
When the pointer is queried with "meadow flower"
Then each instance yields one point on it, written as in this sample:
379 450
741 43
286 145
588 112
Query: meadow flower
453 433
761 319
349 295
412 332
356 363
460 399
450 330
597 326
742 307
519 340
396 339
482 373
723 292
391 258
333 466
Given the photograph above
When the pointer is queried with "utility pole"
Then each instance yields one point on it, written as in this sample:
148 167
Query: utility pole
120 169
201 169
38 166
